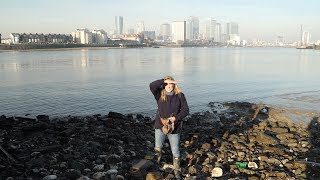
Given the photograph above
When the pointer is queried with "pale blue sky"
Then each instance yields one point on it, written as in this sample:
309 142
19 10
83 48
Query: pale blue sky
256 18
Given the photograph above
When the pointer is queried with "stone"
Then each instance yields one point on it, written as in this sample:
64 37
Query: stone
143 164
116 115
50 177
206 146
252 165
154 176
99 175
216 172
42 118
113 159
83 178
99 167
279 130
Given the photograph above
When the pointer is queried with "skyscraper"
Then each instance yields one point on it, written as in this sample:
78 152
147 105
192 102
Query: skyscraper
210 29
192 29
218 33
178 30
165 31
306 38
119 24
233 32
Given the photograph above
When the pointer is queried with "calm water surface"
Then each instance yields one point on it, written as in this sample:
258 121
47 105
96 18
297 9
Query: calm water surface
90 81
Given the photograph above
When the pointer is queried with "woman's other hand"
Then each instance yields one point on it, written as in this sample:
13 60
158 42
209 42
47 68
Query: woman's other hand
172 119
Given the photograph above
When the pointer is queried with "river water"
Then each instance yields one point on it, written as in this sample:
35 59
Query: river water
99 80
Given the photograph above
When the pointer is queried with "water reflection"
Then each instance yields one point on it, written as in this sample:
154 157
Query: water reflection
177 61
238 64
121 60
303 61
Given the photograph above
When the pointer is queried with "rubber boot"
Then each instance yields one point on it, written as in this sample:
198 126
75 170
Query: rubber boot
158 155
176 167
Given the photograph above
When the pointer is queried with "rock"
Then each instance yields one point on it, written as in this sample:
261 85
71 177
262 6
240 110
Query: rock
206 146
99 175
154 176
194 169
216 172
3 118
50 177
99 167
252 165
42 118
113 159
112 171
116 115
143 164
119 177
279 130
140 116
83 178
72 174
265 139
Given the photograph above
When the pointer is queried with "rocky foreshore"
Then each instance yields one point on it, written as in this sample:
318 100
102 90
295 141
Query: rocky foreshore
235 140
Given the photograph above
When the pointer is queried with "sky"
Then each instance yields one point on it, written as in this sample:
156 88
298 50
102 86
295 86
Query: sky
257 19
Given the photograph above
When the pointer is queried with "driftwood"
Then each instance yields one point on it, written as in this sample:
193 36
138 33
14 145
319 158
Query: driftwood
7 154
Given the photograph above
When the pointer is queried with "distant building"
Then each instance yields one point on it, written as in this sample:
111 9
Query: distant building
178 30
234 39
99 37
119 24
6 41
218 33
17 38
306 38
225 38
165 31
232 30
192 30
149 34
210 30
243 43
82 36
140 27
129 37
280 41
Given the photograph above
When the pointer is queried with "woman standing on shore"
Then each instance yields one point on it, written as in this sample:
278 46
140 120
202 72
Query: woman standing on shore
172 108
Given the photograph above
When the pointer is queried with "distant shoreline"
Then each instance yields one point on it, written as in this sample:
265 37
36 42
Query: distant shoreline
62 47
22 47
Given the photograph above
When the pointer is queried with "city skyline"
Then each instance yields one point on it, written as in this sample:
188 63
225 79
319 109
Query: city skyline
257 20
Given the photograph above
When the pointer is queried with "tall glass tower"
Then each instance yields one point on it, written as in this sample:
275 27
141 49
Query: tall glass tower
119 24
192 28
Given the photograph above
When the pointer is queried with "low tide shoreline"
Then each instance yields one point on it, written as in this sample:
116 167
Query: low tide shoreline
242 139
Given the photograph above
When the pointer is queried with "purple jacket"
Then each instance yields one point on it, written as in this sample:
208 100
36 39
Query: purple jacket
175 105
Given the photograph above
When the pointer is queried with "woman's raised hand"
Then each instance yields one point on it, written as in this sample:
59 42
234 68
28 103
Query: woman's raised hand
168 81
